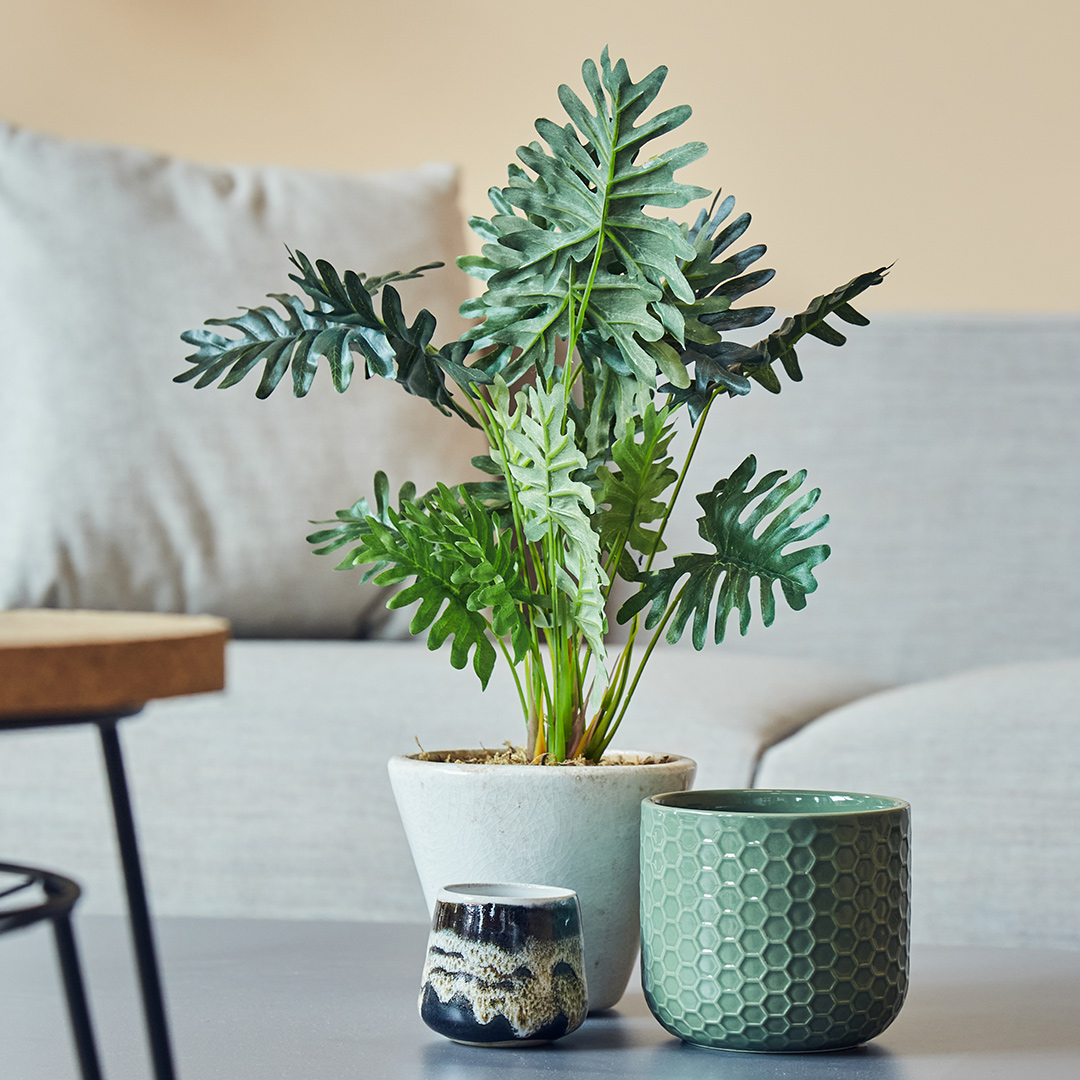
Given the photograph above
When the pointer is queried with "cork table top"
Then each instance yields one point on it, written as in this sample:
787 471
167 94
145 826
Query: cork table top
72 663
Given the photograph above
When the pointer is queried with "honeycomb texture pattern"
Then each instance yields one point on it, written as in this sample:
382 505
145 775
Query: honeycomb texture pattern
774 933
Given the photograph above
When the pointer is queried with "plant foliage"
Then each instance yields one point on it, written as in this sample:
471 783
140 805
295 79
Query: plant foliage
343 320
749 541
461 566
599 320
631 492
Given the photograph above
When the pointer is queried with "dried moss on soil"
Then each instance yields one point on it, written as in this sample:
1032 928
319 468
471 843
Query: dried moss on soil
515 755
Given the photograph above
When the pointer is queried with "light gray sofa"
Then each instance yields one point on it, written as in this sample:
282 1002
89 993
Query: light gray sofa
946 448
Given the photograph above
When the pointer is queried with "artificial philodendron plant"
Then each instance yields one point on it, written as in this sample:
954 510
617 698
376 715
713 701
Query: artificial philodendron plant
598 323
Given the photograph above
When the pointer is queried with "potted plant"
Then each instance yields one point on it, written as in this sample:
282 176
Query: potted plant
598 324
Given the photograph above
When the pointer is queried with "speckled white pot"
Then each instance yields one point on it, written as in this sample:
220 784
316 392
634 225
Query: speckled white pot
574 828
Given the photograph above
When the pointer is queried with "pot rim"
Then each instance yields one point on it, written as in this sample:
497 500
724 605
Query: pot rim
832 804
510 894
674 762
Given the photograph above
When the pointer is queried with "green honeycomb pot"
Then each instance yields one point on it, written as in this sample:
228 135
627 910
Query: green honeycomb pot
774 920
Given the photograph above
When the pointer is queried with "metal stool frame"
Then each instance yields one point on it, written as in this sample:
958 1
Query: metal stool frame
138 908
61 894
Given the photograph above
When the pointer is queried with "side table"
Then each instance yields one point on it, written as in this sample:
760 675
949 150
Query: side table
75 667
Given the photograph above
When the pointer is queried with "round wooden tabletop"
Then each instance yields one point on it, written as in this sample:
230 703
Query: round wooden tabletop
71 663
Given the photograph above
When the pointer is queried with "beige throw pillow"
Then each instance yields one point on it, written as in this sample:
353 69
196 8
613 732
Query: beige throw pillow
122 489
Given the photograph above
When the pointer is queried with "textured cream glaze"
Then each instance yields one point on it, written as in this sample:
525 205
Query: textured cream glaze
491 980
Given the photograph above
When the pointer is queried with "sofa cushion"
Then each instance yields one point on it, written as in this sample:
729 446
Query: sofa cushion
122 489
272 799
990 762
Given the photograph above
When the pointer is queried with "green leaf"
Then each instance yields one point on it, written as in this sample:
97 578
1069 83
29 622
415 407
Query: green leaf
611 397
621 333
780 344
353 524
421 370
629 496
730 365
351 295
713 281
714 366
716 285
750 542
299 339
541 459
526 316
460 564
575 231
344 319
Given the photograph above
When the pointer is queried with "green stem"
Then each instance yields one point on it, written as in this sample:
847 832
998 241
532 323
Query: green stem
576 326
571 343
613 563
560 688
598 728
610 733
622 700
682 477
493 431
513 671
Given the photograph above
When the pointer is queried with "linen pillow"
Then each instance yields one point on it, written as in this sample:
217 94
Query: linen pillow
121 489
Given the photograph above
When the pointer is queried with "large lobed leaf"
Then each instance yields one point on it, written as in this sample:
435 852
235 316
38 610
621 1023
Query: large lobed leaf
780 345
573 239
343 320
460 564
299 339
629 494
728 366
541 458
749 542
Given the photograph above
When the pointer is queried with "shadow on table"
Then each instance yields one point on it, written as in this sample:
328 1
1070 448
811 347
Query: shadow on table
672 1060
678 1061
646 1051
602 1032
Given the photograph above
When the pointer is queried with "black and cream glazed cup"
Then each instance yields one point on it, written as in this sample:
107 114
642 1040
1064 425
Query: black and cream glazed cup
505 965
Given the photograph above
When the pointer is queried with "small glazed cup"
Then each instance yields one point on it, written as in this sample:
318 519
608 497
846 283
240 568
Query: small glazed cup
505 965
774 920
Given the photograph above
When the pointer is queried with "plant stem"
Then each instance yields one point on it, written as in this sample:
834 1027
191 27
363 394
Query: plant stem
594 735
576 326
513 671
560 688
571 342
682 477
605 731
610 733
493 430
613 563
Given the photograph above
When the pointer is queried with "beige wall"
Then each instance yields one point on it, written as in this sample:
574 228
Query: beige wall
941 134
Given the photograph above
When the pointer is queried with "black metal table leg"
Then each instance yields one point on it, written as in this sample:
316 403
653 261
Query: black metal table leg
78 1010
141 932
61 894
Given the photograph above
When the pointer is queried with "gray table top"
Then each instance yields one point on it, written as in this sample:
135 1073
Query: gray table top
274 1000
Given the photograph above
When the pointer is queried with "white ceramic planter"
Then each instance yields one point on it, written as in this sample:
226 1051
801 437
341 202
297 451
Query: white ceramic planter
574 828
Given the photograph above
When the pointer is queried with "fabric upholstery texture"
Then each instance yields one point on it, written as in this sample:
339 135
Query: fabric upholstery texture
123 490
272 799
990 762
